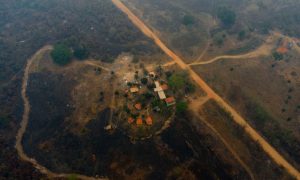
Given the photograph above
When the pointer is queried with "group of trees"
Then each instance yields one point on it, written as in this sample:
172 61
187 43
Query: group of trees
188 20
227 16
62 54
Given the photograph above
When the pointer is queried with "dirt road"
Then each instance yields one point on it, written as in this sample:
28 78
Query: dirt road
194 106
264 50
237 118
25 119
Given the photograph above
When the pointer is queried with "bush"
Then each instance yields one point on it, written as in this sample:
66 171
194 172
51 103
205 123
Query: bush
61 54
144 81
3 122
81 53
176 81
181 107
277 56
227 16
242 35
188 20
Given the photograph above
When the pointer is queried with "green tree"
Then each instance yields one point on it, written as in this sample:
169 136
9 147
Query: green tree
3 122
227 16
144 81
181 107
61 54
81 53
177 81
277 56
188 20
242 35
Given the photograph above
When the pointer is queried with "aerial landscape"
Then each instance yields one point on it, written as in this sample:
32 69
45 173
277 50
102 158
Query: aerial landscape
150 89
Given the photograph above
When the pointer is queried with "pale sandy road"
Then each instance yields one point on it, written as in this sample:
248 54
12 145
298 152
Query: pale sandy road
195 105
24 123
203 52
264 50
271 151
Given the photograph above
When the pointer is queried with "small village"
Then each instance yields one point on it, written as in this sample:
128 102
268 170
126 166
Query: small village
146 103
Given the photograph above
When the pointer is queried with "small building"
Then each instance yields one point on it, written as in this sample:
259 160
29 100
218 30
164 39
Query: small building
170 101
149 121
130 120
161 95
159 90
138 106
139 121
134 89
157 84
164 87
282 50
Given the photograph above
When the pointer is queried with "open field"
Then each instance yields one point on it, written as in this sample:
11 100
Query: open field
193 89
48 139
271 151
271 107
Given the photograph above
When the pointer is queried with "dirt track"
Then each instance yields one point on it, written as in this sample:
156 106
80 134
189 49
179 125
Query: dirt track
237 118
25 119
194 106
264 50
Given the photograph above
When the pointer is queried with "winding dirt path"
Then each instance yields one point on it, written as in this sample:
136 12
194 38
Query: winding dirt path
264 50
271 151
24 123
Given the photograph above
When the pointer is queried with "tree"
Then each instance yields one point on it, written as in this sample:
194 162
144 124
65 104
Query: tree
242 35
227 16
61 54
3 122
181 107
277 56
81 53
188 20
144 81
176 81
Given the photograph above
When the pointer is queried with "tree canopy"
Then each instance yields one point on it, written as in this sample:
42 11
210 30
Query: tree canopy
227 16
177 81
181 107
61 54
81 53
188 20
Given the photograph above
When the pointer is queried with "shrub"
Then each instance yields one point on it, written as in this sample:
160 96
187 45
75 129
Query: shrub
4 122
61 54
227 16
81 53
188 20
144 81
176 81
277 56
181 107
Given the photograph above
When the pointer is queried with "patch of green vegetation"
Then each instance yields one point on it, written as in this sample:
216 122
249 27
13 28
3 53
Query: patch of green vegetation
181 107
219 39
242 35
227 16
249 46
3 122
188 20
81 53
72 177
277 56
177 81
61 54
278 136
